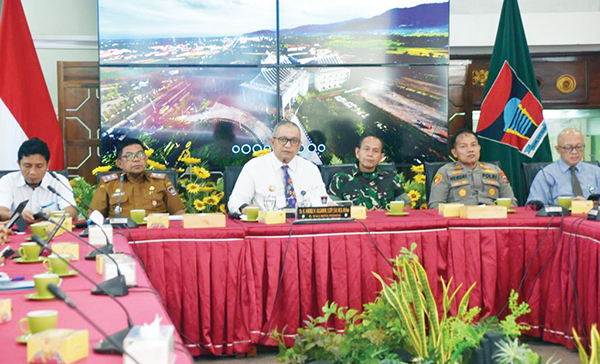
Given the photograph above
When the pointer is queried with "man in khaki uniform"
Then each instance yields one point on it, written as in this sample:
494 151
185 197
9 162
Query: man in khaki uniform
135 187
468 180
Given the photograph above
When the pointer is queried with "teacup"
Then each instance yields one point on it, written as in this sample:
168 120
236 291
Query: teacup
38 321
565 201
29 251
41 229
251 212
138 215
41 282
54 264
395 207
503 201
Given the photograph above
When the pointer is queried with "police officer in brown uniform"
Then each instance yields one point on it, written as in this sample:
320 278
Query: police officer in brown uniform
135 188
468 180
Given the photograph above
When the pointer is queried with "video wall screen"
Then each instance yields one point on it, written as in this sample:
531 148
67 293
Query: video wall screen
208 79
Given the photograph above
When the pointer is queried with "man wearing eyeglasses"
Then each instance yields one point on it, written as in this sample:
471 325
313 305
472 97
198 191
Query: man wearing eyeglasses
135 188
569 176
279 179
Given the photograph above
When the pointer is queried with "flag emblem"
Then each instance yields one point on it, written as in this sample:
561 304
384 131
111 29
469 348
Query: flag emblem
511 114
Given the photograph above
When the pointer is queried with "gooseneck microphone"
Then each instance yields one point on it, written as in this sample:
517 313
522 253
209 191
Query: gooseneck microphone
119 220
116 342
105 249
103 347
55 176
115 286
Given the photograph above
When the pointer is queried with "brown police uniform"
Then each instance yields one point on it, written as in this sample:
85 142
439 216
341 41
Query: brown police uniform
151 191
483 185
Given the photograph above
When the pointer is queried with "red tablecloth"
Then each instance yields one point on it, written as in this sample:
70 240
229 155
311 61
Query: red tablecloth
222 288
141 303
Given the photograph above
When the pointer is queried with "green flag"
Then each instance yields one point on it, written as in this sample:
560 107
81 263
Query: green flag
511 126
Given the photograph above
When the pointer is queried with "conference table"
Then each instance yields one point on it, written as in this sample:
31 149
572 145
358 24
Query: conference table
141 302
227 288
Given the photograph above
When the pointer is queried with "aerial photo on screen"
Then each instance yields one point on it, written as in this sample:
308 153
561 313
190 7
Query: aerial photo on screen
155 32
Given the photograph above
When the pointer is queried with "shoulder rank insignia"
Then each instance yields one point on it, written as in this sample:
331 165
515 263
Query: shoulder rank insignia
437 179
157 175
489 170
109 177
457 166
462 192
171 190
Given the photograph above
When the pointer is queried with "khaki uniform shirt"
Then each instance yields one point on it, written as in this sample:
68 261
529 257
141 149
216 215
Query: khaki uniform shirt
483 185
151 191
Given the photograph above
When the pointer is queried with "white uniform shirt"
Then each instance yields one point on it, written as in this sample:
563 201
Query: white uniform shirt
14 190
261 173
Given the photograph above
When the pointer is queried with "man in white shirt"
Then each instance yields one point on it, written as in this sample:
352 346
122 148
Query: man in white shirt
262 181
31 183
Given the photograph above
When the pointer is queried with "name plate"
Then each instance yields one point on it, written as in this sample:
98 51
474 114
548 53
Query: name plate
323 212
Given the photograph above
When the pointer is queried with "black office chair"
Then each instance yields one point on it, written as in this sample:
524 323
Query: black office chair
172 175
431 169
530 170
328 171
230 177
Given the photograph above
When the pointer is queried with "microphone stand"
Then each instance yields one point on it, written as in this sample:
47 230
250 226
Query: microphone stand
120 221
115 286
105 249
102 347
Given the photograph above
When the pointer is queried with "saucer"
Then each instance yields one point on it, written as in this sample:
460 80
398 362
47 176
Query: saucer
248 220
21 260
403 213
34 296
69 273
23 339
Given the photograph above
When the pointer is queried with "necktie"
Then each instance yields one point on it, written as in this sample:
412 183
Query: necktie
290 195
575 182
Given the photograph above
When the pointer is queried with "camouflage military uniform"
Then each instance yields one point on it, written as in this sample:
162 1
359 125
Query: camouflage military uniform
373 190
151 191
483 185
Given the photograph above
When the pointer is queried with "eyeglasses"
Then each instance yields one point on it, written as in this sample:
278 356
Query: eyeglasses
569 148
129 156
284 141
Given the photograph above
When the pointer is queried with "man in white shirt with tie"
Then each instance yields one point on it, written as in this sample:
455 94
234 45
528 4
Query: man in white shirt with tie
31 183
279 179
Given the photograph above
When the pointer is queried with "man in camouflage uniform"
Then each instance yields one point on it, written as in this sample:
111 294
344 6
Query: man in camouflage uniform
366 183
135 188
468 180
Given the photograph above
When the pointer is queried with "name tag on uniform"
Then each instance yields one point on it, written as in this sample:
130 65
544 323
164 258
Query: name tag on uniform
118 194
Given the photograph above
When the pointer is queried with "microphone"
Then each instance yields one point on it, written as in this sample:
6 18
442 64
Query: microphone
103 347
115 342
119 220
115 286
105 249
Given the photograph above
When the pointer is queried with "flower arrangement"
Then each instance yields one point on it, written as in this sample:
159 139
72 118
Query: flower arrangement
84 190
415 187
199 193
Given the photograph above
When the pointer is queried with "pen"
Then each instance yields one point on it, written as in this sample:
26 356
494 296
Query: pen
14 279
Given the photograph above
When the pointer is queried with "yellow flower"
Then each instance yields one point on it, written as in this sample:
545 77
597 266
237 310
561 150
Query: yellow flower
211 200
418 169
192 188
413 204
191 160
201 172
222 208
199 205
206 189
419 178
219 195
264 151
414 195
72 182
149 152
100 169
156 165
77 200
423 206
180 170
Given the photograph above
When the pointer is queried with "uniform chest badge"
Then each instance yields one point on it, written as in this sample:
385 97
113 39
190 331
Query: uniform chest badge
154 203
492 191
462 192
172 191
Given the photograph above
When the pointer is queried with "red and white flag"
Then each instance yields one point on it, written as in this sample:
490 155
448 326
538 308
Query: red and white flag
26 109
